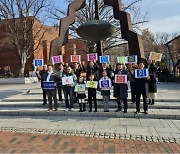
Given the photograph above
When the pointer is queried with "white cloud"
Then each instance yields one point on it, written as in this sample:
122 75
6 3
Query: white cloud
168 25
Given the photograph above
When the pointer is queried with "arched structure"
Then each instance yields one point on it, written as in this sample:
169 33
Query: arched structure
134 39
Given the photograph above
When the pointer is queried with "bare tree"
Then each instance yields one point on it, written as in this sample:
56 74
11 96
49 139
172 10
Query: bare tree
19 19
105 13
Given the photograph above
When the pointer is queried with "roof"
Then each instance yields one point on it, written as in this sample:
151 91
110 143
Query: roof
173 39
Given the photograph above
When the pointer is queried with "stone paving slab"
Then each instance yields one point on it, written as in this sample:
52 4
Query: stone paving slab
38 143
138 129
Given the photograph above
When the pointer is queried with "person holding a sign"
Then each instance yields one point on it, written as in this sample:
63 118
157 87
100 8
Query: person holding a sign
152 82
51 91
41 75
106 68
80 90
69 80
120 86
105 85
92 94
92 69
141 84
59 85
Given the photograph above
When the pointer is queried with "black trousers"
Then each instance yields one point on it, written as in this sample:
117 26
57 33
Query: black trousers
52 94
92 97
119 102
60 94
133 93
145 104
44 96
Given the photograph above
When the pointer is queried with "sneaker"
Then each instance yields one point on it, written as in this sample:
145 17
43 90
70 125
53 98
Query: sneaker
55 109
125 111
95 110
66 110
71 109
90 110
44 103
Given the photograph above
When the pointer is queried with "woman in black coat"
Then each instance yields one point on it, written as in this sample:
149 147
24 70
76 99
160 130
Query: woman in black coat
121 89
152 88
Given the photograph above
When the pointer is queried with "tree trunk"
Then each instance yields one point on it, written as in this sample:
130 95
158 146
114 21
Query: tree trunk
22 64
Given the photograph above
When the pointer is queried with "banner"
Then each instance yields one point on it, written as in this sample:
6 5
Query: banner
122 60
92 84
75 58
67 80
155 56
120 78
80 88
132 59
38 62
48 85
57 59
141 73
104 59
105 83
92 56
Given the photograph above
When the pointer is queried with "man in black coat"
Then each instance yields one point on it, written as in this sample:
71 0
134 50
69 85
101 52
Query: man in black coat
92 69
141 85
51 93
41 75
106 68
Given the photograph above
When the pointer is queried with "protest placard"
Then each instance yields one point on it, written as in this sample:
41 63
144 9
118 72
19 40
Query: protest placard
141 73
57 59
38 62
80 88
120 78
104 59
92 84
155 56
75 58
48 85
105 83
122 60
132 59
67 80
92 56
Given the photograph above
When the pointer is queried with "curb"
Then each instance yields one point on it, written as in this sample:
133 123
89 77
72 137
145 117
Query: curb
92 114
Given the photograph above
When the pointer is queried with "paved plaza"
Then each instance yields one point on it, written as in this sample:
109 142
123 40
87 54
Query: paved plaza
37 143
24 123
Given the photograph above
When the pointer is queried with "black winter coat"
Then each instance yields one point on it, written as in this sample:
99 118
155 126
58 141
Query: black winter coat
119 88
152 84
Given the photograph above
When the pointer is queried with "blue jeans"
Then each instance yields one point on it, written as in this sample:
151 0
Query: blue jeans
68 91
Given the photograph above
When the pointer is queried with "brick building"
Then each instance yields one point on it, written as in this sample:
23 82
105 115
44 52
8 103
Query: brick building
9 57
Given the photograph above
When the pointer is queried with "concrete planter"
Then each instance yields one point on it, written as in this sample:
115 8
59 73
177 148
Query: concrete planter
23 80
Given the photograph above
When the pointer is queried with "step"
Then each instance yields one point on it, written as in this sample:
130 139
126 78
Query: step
31 111
38 99
112 104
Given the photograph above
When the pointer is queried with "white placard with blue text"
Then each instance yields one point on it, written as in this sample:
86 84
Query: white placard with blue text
38 62
104 59
141 73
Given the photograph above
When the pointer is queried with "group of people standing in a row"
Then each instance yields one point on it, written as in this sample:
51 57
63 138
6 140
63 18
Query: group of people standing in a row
94 72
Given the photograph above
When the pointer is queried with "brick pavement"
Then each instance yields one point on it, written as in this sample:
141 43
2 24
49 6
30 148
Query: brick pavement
11 142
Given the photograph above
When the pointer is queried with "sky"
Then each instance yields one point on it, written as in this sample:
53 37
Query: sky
163 15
